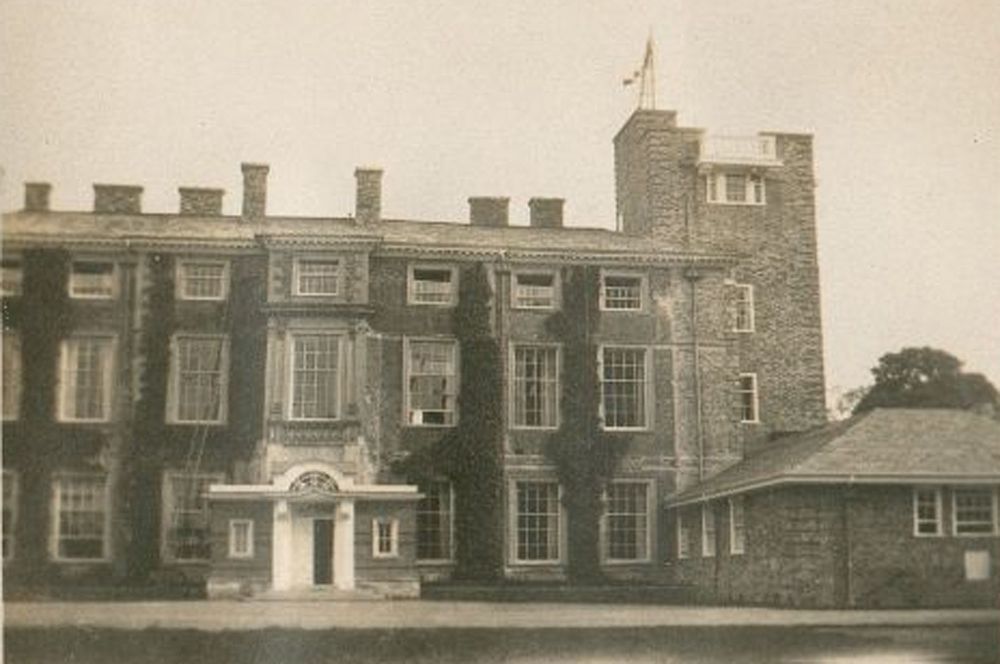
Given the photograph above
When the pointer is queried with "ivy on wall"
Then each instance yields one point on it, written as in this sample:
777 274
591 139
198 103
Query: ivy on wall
471 456
584 455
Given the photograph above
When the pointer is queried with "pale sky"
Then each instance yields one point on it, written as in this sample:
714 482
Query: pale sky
522 98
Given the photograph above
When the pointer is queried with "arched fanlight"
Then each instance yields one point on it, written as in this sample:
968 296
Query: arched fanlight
314 481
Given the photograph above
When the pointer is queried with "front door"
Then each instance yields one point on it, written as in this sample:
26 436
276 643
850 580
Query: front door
322 552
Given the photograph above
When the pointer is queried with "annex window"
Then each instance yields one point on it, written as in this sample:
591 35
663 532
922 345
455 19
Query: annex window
927 511
203 280
315 377
537 522
92 280
11 277
432 285
748 398
707 530
627 521
434 522
621 292
86 364
623 387
9 512
185 516
736 188
385 538
974 511
317 277
11 375
536 386
199 384
737 525
743 320
683 537
431 386
240 538
535 290
80 519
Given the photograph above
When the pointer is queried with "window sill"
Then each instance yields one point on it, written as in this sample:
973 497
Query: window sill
738 203
616 562
436 562
537 563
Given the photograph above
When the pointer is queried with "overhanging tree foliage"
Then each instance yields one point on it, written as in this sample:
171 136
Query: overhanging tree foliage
926 378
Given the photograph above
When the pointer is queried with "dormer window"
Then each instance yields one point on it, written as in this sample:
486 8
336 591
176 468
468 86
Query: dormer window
731 188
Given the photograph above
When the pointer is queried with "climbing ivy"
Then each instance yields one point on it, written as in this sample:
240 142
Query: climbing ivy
470 456
584 455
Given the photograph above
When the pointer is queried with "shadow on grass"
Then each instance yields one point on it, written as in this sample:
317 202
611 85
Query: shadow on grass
662 644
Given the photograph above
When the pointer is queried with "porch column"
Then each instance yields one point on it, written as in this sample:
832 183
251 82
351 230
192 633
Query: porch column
281 543
343 546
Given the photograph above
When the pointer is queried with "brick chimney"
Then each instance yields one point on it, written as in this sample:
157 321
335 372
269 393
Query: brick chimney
117 199
488 211
36 196
201 201
254 190
546 212
368 196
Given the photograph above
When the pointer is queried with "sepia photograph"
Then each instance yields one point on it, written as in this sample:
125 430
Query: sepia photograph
654 331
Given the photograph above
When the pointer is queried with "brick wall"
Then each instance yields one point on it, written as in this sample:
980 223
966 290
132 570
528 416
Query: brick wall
246 573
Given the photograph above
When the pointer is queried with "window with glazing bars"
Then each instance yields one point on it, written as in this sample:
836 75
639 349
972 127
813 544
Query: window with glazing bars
432 382
92 280
315 376
203 281
201 381
534 291
536 386
434 522
624 387
744 314
748 397
80 517
537 521
186 515
622 293
707 530
737 525
316 277
86 384
973 511
432 286
683 537
627 521
927 511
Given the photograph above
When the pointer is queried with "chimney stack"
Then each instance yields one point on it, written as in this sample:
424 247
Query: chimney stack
117 199
368 196
488 211
546 212
36 196
201 201
254 190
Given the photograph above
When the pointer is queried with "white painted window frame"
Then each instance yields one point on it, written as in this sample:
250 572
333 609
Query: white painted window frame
290 372
954 510
411 289
182 280
683 536
393 524
56 514
938 511
709 540
512 386
173 386
233 551
515 294
108 371
745 298
642 277
755 393
456 359
715 183
167 509
737 547
648 387
605 528
113 277
297 274
513 534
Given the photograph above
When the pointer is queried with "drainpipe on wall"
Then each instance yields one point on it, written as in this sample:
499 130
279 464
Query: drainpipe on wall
848 563
693 276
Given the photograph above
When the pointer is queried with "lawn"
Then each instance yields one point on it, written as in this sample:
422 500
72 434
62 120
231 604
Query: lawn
419 646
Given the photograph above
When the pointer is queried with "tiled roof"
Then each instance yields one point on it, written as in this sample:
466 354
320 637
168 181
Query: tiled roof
393 235
885 445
